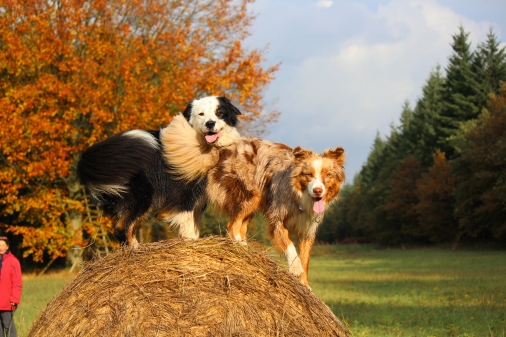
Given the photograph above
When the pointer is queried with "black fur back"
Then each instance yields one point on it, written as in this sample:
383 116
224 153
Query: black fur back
115 161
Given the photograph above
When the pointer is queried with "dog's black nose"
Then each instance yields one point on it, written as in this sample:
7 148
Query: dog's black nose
210 124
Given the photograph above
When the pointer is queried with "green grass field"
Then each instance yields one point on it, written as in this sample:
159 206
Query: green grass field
419 292
415 292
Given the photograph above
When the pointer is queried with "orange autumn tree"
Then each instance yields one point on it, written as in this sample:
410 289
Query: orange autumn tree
74 72
435 208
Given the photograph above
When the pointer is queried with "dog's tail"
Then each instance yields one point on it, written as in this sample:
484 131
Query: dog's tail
186 153
108 166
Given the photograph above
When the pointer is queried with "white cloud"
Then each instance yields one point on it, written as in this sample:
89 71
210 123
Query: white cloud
324 3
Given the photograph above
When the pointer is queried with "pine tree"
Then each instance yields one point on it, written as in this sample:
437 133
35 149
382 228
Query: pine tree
366 197
371 168
490 65
462 91
426 118
379 191
406 141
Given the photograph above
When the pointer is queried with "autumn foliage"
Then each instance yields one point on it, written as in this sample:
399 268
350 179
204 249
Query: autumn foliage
436 203
75 72
401 203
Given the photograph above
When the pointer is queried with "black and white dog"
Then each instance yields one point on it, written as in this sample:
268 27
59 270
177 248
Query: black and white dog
134 173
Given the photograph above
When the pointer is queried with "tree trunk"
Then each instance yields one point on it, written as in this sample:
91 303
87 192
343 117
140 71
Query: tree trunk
75 254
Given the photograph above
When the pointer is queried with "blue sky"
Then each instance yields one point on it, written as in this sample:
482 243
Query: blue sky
348 66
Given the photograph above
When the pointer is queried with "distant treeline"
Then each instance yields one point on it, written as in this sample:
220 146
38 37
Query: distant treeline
439 177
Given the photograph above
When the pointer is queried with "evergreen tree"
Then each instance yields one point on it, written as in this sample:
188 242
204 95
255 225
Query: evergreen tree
406 117
406 140
371 168
378 193
424 128
396 180
490 65
462 91
366 195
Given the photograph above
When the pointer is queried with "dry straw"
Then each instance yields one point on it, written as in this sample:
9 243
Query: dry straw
208 287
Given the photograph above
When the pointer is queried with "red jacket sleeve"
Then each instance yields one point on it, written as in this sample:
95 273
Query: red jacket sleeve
17 281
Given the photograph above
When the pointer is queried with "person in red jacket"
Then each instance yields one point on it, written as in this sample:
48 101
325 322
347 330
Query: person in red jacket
10 287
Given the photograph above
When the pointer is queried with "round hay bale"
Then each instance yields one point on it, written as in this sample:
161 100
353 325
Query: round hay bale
209 287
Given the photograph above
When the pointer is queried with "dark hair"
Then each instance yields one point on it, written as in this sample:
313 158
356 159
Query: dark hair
4 238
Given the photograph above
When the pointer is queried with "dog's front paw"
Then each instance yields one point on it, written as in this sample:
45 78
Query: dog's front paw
238 238
295 267
134 244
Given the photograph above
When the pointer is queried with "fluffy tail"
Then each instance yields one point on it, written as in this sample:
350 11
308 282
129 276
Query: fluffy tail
108 166
186 152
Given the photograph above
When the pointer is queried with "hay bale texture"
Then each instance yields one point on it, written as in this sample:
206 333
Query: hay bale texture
209 287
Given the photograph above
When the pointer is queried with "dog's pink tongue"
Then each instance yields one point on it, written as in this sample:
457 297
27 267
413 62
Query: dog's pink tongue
318 206
212 138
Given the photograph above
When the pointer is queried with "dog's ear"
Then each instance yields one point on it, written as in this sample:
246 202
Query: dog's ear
187 113
230 112
300 153
337 154
225 102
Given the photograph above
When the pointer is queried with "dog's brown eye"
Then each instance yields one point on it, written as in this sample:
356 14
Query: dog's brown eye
309 174
328 175
219 113
201 114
